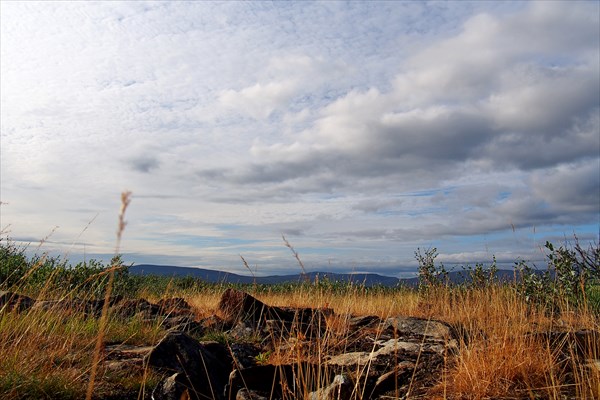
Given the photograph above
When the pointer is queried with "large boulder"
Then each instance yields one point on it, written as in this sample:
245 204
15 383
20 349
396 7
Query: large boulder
247 312
201 369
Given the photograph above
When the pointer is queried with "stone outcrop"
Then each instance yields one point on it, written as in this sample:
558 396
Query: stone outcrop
382 359
269 352
249 313
200 369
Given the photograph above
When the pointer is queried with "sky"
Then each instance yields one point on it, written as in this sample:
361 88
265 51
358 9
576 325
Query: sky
359 131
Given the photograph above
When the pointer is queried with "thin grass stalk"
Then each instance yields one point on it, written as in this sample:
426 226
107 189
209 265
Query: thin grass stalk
125 200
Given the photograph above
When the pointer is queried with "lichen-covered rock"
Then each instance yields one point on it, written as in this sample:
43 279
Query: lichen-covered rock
342 388
411 326
246 311
245 394
175 387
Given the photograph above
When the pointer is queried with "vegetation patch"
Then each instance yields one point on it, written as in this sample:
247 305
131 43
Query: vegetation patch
534 337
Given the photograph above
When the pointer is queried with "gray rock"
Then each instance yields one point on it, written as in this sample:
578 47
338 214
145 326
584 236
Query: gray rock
175 387
342 388
130 308
369 321
395 379
246 394
240 307
387 348
411 326
175 305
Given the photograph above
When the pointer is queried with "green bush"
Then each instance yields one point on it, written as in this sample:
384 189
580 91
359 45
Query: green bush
571 279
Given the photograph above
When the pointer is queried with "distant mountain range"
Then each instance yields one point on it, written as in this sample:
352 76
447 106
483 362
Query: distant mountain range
365 279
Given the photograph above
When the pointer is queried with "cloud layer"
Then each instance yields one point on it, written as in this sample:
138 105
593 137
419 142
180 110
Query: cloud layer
361 130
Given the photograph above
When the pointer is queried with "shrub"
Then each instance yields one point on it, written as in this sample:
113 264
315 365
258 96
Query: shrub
571 279
430 276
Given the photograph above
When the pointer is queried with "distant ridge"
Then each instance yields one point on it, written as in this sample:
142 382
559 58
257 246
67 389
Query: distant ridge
366 279
227 277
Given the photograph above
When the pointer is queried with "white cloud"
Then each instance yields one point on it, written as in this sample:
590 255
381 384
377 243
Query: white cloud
361 126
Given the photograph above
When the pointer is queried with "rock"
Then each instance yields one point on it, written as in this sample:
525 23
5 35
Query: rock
240 307
130 308
176 305
215 323
183 323
395 379
245 394
89 307
278 381
10 301
46 305
262 378
244 354
127 352
583 343
172 388
419 327
205 368
93 307
342 388
369 321
242 331
392 347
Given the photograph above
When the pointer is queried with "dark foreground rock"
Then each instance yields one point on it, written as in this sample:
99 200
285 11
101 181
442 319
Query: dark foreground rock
269 352
10 301
247 312
198 369
382 358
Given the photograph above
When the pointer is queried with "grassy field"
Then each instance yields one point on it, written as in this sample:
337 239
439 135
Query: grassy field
52 354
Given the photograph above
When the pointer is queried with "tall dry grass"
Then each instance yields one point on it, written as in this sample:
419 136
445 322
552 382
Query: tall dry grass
49 354
500 354
58 354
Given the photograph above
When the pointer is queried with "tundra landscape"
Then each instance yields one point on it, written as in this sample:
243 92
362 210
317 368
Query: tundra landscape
94 331
325 200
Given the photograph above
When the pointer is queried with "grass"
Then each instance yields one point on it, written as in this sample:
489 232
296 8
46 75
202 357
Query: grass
59 354
48 354
499 358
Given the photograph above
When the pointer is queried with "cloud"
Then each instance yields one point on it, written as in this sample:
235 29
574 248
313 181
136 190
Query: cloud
288 83
469 99
579 187
144 164
365 129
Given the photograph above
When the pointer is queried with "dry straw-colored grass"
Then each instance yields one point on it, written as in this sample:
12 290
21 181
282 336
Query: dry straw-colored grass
49 354
57 354
499 357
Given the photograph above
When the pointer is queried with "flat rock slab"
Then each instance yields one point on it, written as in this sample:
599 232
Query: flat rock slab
411 326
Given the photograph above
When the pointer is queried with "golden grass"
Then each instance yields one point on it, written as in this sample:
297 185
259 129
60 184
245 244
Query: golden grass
499 357
49 354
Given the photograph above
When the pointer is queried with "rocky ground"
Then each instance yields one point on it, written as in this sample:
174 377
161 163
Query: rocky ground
268 352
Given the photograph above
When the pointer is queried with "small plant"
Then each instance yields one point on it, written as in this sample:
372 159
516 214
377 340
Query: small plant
263 358
430 276
480 277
